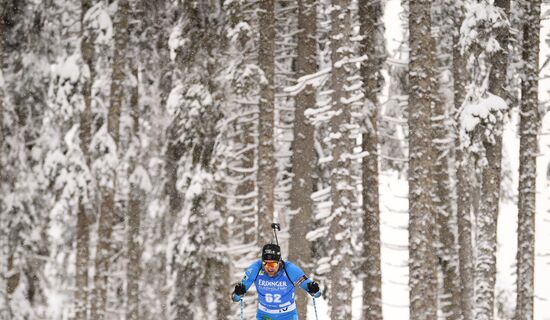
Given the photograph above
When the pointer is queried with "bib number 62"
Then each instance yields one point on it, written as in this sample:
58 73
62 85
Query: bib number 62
273 298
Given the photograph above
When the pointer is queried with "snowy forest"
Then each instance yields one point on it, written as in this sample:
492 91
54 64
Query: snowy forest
146 147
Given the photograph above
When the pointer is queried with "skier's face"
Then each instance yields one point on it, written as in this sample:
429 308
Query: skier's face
271 267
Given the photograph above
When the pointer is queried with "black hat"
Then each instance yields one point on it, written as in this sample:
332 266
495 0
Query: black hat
271 252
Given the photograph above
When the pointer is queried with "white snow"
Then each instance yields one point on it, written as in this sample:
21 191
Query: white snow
480 109
97 18
176 40
480 20
140 178
174 99
69 69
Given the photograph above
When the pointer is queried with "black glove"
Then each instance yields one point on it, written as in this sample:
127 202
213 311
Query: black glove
313 287
240 289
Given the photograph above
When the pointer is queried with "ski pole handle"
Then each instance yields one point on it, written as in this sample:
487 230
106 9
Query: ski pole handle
276 227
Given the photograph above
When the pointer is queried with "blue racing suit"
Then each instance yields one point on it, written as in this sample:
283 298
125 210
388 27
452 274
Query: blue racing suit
276 294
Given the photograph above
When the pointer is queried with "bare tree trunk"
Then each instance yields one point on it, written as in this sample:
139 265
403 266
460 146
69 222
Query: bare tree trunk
370 14
247 187
133 273
529 127
266 150
446 231
465 250
2 27
4 249
464 218
422 267
340 227
82 258
12 273
224 286
486 236
106 215
164 273
174 152
303 157
13 278
241 168
446 220
171 157
82 222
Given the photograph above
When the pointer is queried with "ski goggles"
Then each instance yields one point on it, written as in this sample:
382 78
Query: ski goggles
271 264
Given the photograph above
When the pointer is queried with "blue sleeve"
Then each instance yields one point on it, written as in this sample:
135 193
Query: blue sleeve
296 275
251 273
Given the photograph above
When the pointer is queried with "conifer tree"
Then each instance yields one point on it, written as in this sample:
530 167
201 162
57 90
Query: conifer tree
486 235
108 188
266 164
301 204
445 214
196 112
139 184
422 275
25 200
463 162
370 15
339 242
481 123
3 230
527 190
85 135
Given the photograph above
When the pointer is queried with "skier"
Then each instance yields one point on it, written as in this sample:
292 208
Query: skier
275 280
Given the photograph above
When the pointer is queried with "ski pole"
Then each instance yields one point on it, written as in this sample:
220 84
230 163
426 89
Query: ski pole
242 309
315 308
276 226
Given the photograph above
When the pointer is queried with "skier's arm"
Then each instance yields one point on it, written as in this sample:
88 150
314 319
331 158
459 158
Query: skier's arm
250 275
298 277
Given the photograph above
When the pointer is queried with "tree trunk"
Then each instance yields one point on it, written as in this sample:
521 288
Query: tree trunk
266 150
82 258
422 268
82 222
446 230
446 220
174 152
303 158
2 27
246 188
370 14
171 158
224 288
133 273
529 127
463 162
340 249
486 235
4 249
106 215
